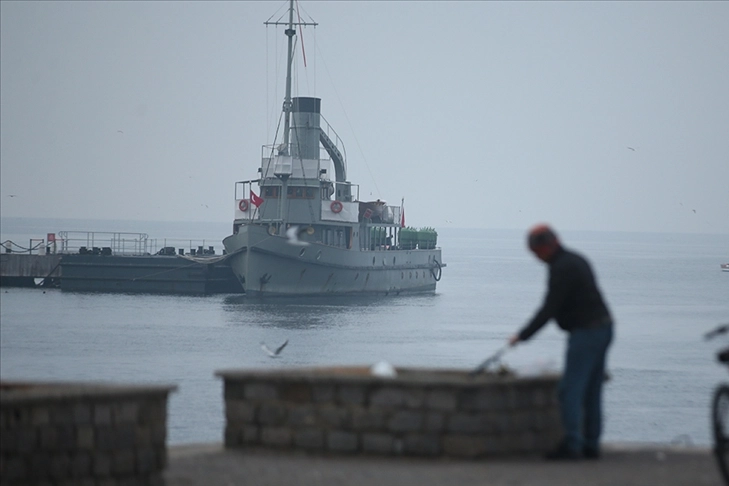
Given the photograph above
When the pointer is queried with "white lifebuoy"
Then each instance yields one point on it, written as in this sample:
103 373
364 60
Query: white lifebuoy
336 206
243 205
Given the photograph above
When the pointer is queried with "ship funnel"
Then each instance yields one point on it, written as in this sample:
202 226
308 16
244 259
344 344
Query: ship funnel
305 128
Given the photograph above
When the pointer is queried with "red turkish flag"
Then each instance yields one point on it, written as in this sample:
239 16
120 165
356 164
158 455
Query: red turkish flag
255 200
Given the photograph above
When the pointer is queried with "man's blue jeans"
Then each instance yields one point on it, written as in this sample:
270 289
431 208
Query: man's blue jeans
580 390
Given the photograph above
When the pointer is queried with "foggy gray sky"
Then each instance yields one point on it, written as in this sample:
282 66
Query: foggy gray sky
587 115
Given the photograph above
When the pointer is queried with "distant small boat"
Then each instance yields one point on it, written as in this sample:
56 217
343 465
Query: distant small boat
725 267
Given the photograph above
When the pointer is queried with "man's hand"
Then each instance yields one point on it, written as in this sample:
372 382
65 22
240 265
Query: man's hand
514 339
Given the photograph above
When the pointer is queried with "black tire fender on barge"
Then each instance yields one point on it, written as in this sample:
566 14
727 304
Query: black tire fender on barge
436 270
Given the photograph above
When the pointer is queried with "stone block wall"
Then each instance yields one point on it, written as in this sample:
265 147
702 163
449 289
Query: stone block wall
76 434
418 412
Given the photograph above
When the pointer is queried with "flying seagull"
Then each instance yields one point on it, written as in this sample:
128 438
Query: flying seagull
293 236
631 148
273 354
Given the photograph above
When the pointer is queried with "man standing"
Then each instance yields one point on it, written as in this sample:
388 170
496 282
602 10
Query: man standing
574 301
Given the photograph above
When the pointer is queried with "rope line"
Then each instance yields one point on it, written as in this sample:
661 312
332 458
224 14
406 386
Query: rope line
8 245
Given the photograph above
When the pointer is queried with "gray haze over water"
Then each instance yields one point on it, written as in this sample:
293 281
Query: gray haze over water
665 292
605 116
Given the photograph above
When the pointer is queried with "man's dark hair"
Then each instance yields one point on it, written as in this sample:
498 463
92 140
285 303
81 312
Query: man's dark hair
542 236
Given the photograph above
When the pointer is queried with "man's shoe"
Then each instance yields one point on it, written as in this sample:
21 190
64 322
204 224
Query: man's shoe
563 453
591 453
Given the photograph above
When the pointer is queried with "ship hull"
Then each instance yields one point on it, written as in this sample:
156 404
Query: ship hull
270 265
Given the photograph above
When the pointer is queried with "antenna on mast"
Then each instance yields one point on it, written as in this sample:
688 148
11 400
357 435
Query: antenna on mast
290 33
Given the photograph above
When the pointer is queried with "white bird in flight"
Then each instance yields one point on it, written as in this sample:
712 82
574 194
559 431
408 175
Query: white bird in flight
293 236
276 352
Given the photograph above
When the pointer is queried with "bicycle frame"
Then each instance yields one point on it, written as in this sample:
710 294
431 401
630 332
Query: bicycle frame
720 411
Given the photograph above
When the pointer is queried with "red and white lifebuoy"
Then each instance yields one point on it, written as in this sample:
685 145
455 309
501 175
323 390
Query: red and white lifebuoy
243 205
336 207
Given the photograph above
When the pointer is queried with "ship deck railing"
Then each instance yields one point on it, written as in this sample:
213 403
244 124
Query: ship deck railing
110 243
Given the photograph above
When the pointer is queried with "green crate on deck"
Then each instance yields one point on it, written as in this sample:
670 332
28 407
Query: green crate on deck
427 238
408 238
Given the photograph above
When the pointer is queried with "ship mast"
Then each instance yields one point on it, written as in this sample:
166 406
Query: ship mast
287 104
290 33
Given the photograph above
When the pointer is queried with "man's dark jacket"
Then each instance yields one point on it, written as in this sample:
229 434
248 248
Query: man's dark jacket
573 298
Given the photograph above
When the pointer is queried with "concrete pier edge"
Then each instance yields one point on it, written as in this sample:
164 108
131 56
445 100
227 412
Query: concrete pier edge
622 464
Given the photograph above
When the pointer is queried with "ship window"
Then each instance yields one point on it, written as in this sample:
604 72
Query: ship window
270 192
301 253
327 191
301 192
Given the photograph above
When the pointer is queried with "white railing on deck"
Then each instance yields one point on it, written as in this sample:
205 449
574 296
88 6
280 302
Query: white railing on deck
128 243
99 242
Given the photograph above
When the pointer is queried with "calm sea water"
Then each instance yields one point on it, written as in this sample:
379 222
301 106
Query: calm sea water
665 291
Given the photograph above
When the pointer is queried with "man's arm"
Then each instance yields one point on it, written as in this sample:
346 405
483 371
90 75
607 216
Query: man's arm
556 295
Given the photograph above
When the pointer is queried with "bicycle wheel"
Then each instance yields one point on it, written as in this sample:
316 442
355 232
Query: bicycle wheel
720 426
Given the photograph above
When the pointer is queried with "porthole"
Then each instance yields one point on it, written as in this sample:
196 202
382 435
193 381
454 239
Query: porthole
384 262
411 275
393 261
402 275
356 276
301 253
373 261
318 255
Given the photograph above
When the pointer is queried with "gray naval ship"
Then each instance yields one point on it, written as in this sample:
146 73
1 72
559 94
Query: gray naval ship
298 232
